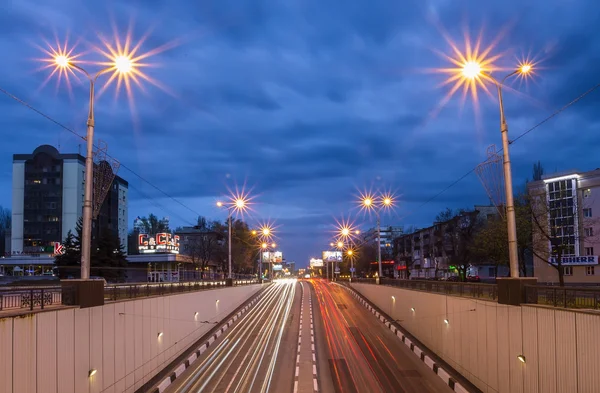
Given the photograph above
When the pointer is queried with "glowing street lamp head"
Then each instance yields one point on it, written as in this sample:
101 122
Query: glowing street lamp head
367 202
273 245
220 204
345 231
331 244
525 68
62 61
471 69
264 245
240 203
254 232
357 232
340 244
350 252
387 201
266 231
123 64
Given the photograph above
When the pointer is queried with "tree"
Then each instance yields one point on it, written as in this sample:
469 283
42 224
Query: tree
108 258
243 250
538 171
364 256
5 225
133 242
445 215
152 225
460 233
69 262
204 245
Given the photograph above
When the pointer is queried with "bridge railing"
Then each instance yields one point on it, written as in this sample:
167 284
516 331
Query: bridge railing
464 289
565 297
114 292
30 298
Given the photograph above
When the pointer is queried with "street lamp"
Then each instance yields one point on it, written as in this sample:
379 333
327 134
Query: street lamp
376 204
265 232
474 71
237 204
121 65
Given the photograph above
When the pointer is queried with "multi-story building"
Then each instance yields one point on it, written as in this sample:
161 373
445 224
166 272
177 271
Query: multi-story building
428 252
47 197
566 226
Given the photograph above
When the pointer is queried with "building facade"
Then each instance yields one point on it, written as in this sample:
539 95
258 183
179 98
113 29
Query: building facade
47 197
566 225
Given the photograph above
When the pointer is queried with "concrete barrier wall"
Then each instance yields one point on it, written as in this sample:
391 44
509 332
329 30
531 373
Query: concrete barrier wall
54 351
483 339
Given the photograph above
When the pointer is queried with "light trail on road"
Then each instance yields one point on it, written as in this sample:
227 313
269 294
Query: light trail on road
246 358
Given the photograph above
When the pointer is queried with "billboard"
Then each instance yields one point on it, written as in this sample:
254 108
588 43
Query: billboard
277 266
314 262
332 256
163 243
272 257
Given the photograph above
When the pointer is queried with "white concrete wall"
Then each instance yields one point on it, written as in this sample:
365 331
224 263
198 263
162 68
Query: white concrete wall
483 339
18 205
72 195
53 351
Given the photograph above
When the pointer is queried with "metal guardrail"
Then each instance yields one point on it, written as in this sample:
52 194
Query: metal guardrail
30 298
565 297
463 289
114 292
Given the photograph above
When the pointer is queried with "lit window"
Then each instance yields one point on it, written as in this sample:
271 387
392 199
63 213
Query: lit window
589 270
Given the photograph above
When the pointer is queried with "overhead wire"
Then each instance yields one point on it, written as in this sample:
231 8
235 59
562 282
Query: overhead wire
121 165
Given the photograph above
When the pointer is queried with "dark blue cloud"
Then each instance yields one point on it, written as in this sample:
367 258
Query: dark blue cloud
307 102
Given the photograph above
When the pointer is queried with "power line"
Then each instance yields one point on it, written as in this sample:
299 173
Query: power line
539 124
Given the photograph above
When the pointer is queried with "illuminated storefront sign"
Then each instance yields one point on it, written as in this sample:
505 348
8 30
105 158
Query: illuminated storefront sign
163 243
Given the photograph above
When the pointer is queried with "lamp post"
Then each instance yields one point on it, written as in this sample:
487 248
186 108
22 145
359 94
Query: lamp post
237 204
121 64
473 70
264 233
376 204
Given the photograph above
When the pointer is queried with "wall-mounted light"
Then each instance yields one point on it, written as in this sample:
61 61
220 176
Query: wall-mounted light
446 321
394 298
412 309
195 314
160 334
522 358
217 300
92 372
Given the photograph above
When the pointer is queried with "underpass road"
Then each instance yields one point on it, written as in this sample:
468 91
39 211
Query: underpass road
257 354
363 355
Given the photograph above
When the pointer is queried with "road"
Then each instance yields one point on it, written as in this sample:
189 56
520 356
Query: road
258 354
362 355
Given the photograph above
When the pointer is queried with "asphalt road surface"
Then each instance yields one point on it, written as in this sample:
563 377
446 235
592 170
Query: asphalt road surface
362 355
257 354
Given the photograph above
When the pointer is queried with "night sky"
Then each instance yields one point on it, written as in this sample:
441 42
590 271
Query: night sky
304 103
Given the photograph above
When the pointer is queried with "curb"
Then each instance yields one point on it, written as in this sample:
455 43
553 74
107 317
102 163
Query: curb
435 367
164 384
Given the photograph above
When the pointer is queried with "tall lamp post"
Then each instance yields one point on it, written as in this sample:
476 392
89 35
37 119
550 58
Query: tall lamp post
121 64
377 204
473 70
264 233
235 205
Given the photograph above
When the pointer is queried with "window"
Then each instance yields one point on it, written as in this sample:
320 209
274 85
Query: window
589 232
589 270
568 270
589 251
587 212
